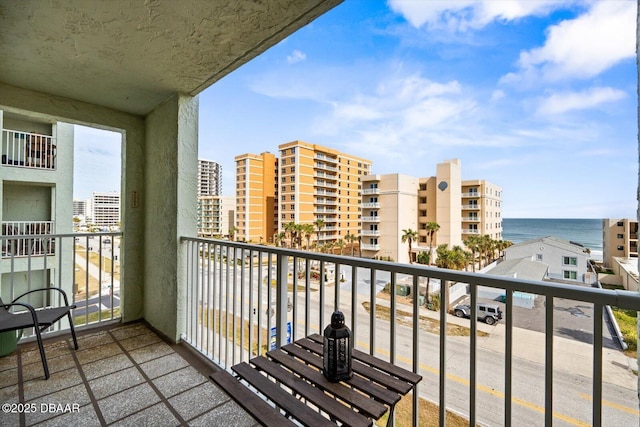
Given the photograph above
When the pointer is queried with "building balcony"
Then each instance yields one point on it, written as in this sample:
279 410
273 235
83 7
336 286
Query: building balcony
471 207
472 194
370 247
470 219
371 191
29 238
370 232
325 167
28 150
135 376
325 158
371 205
470 231
322 183
370 219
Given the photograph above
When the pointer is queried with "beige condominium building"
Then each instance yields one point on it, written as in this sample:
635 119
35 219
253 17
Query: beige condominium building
462 208
256 195
216 215
620 251
308 182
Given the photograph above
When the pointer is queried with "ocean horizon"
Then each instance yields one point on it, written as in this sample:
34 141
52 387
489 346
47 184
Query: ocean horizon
584 231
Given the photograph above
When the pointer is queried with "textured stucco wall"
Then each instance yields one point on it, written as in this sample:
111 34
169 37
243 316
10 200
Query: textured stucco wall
170 208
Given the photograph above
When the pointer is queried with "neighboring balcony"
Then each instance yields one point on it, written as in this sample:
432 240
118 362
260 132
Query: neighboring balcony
470 231
370 247
472 194
30 238
371 205
28 150
370 232
370 219
470 219
371 191
471 207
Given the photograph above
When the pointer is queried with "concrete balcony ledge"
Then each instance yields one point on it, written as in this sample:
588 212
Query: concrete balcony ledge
123 375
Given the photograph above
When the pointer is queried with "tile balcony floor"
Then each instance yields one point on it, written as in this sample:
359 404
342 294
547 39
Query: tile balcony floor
120 376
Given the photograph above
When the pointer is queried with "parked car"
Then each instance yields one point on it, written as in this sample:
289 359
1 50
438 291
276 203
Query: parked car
488 313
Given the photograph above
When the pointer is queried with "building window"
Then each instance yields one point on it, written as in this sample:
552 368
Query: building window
293 197
620 236
423 200
423 213
620 248
293 169
620 224
538 257
293 216
423 187
293 188
569 260
571 275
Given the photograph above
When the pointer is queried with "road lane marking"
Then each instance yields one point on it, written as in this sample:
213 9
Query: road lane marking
613 405
484 389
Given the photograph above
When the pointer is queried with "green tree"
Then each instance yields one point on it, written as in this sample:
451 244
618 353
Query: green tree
351 238
307 230
290 228
410 236
432 228
319 224
340 245
279 238
473 243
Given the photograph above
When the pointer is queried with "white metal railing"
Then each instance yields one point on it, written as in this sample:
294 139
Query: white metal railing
471 219
370 232
370 219
85 265
470 231
471 207
20 246
371 191
28 150
242 300
370 247
371 205
471 194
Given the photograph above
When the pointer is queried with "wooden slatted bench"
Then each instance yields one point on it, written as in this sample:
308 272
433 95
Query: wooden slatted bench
291 379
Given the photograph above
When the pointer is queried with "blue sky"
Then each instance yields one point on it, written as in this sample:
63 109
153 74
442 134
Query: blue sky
538 97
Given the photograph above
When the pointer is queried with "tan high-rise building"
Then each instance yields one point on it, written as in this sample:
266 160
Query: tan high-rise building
256 195
307 183
392 203
216 215
317 182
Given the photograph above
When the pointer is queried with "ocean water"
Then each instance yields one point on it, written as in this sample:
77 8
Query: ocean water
587 232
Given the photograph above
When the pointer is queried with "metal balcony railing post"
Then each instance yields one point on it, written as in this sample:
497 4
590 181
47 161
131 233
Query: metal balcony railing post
281 299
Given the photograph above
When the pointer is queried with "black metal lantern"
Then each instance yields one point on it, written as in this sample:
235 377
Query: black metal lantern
337 349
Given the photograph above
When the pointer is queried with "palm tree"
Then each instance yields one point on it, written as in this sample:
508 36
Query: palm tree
290 228
307 230
319 226
232 233
351 238
473 243
340 244
360 245
279 238
410 236
432 228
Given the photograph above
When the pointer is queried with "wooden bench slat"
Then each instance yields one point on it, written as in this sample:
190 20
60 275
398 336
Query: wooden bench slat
397 371
361 401
277 395
260 410
331 406
376 391
363 369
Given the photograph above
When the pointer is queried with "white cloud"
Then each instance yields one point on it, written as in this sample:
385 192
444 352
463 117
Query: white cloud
559 103
460 15
583 47
497 95
296 56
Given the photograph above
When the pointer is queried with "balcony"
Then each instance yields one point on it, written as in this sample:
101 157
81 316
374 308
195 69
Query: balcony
319 165
226 289
471 194
325 158
31 238
371 191
470 219
470 231
370 247
370 232
370 219
473 207
28 150
371 205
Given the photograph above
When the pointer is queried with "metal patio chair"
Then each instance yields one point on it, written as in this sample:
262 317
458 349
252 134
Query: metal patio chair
39 319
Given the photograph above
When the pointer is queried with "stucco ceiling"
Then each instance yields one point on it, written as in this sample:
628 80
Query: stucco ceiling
130 55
